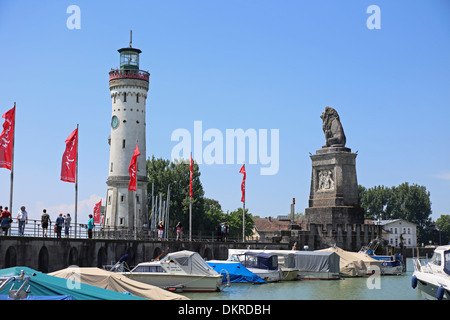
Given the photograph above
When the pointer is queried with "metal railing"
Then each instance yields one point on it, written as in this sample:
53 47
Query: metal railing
33 228
129 74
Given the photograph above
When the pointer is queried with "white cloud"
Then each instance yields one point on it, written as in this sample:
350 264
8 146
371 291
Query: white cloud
443 176
84 208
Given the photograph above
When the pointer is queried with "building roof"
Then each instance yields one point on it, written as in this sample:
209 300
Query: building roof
270 224
386 222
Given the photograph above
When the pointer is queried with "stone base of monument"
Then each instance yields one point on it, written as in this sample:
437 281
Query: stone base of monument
334 215
334 188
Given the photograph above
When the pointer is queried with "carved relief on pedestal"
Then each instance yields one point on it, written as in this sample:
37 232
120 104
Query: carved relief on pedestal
325 180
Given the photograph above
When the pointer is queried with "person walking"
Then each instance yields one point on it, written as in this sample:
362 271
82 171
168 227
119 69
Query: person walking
90 226
67 220
45 220
59 225
6 220
22 218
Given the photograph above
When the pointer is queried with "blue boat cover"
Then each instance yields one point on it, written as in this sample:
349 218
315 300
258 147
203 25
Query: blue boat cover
238 273
48 286
30 297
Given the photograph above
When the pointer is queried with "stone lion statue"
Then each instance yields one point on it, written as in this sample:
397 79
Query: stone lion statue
332 127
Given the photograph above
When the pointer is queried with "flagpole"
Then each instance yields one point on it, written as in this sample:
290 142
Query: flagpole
190 200
76 183
243 216
12 164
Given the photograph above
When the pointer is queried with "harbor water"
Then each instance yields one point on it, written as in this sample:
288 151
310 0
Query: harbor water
388 287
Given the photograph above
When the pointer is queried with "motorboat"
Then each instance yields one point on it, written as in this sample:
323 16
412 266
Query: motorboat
182 271
303 265
265 265
234 272
432 277
390 264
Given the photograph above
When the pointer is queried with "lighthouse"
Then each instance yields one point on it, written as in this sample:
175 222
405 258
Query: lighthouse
128 86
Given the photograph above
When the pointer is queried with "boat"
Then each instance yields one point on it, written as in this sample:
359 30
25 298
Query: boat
354 264
115 282
23 283
234 272
317 265
182 271
390 264
263 264
432 277
303 265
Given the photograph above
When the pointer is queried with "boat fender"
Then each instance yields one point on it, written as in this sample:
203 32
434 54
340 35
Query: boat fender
414 282
440 293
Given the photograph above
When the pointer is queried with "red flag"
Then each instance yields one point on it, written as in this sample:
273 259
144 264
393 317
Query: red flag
97 217
6 139
191 169
243 183
69 159
132 169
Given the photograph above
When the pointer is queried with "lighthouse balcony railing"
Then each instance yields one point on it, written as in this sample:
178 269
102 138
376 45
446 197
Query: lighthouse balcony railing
129 74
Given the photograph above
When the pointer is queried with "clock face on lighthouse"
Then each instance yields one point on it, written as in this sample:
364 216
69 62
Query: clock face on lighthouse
114 122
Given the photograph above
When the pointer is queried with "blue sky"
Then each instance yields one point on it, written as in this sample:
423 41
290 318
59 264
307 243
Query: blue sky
231 64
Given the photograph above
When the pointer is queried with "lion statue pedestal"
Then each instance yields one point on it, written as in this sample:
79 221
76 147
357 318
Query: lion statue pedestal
334 188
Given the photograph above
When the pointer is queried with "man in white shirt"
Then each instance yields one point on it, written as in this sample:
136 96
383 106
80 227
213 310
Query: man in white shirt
22 218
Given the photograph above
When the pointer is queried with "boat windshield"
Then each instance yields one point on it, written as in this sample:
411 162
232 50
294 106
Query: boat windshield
148 269
447 262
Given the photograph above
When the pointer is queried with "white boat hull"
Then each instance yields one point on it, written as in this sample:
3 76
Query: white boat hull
428 284
268 275
185 283
311 275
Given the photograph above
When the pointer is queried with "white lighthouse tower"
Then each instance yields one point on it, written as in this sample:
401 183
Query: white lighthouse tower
129 87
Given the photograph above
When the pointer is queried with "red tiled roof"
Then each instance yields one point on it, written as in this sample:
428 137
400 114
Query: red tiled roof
270 224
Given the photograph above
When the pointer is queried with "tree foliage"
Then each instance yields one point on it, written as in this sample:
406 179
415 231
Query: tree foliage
408 202
206 213
443 226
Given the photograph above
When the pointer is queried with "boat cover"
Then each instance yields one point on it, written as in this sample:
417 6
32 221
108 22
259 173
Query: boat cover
237 272
314 261
353 264
190 262
259 260
42 284
30 297
116 282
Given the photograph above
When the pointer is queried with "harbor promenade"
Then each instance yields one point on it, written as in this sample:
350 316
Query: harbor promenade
48 254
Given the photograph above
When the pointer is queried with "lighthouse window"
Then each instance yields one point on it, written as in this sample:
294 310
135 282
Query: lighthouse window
114 99
137 98
111 167
124 97
123 143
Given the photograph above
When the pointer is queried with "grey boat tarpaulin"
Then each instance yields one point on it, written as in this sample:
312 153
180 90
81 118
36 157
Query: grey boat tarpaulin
314 261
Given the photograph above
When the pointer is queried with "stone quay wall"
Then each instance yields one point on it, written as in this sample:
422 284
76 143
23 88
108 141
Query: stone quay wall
51 254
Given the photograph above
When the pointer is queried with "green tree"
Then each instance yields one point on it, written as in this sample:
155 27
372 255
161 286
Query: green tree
162 173
234 219
408 202
443 225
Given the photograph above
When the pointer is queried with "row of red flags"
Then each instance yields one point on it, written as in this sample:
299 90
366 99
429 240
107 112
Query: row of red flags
69 159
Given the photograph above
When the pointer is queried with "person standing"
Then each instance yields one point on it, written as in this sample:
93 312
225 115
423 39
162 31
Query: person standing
6 220
22 218
179 227
90 226
160 230
59 225
67 221
45 219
